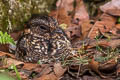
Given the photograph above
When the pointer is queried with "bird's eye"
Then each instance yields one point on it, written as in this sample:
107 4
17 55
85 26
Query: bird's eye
43 27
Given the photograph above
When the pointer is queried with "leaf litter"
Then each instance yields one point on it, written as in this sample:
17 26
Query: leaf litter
95 40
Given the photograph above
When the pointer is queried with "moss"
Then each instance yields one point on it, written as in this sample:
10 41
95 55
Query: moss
13 13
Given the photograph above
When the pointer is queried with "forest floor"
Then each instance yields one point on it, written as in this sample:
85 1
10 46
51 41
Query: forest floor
95 37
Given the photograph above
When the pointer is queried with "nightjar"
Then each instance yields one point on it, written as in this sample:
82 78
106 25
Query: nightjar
44 41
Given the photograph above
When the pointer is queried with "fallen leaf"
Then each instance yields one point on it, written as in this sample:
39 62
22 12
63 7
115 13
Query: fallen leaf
6 54
94 30
50 76
85 28
94 65
74 32
62 16
29 66
59 70
4 47
16 34
113 43
66 4
10 61
69 13
112 7
118 26
108 66
80 11
106 24
90 78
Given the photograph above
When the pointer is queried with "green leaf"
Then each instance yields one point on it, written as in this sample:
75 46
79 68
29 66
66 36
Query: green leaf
5 38
6 76
17 73
118 20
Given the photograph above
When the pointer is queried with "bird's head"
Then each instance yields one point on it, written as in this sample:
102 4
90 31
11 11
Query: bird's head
41 25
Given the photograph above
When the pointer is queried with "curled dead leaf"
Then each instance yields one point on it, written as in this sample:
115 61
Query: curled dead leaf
59 70
105 24
112 7
73 32
108 66
6 54
94 65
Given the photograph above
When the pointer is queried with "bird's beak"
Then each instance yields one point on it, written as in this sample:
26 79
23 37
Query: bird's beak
58 30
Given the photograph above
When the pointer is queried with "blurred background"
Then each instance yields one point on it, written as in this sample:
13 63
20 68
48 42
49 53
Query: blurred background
14 13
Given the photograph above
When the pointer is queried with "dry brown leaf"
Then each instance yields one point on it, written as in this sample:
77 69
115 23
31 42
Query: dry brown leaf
50 76
16 34
51 72
106 24
109 22
113 43
112 7
94 30
118 26
90 78
29 66
59 70
10 61
94 65
66 4
85 28
66 11
44 69
4 47
93 43
108 66
74 31
6 54
114 31
80 11
61 16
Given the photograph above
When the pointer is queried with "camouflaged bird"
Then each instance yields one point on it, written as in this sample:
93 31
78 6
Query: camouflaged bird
44 41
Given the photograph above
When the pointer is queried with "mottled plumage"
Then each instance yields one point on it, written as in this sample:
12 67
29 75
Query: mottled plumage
44 41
